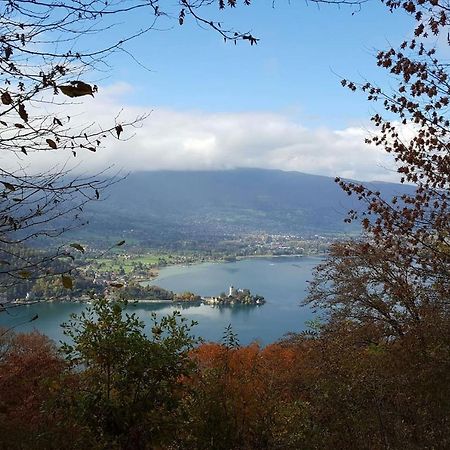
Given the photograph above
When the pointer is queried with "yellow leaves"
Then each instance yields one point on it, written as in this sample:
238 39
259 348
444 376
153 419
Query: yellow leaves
77 89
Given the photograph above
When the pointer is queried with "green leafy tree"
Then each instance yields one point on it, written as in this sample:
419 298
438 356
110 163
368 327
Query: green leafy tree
131 383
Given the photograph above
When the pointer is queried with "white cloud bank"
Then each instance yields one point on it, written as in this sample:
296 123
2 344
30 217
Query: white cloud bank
193 140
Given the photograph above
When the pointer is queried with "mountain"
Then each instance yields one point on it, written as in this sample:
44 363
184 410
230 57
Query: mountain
164 205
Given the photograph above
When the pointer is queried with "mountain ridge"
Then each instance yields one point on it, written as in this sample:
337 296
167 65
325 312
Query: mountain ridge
176 204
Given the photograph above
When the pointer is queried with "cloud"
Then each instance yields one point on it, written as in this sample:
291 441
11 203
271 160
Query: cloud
196 140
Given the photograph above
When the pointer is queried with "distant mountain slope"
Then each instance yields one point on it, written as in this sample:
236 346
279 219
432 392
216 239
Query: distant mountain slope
171 204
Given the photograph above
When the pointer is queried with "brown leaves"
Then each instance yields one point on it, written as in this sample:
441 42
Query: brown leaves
6 98
119 130
23 113
51 143
77 89
181 17
78 247
67 281
8 52
250 38
8 186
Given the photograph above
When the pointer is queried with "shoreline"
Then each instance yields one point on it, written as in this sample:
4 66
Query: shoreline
238 258
150 280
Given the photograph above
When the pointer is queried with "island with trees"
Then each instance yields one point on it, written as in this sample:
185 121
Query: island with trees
235 296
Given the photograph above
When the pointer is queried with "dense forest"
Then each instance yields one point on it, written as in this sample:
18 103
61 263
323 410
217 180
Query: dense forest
339 385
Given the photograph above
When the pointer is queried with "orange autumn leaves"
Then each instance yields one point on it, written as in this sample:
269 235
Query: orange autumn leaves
345 387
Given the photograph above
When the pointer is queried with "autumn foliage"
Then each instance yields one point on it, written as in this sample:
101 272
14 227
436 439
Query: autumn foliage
341 388
372 373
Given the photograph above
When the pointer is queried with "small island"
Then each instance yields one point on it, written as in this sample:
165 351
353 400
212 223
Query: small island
235 296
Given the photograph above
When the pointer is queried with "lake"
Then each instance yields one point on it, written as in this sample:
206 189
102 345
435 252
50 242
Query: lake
282 281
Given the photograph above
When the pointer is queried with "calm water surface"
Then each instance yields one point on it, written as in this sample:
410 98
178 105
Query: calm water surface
282 281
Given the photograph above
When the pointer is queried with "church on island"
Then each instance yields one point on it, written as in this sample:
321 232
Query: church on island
235 296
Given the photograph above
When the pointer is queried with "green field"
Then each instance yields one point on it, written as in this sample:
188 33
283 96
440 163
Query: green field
114 263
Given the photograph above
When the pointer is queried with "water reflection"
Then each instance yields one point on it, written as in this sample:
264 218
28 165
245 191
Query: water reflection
281 281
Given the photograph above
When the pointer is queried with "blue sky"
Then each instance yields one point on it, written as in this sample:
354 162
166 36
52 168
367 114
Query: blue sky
277 105
296 66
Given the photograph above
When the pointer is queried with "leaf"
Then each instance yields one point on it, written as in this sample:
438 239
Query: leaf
67 281
35 317
92 149
119 130
6 98
23 150
77 247
8 52
120 243
56 121
51 143
77 89
116 285
3 123
24 274
8 186
18 125
97 194
23 113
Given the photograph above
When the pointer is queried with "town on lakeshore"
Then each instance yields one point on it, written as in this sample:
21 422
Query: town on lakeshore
127 272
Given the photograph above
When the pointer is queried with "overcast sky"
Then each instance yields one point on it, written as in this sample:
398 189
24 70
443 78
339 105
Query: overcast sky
279 104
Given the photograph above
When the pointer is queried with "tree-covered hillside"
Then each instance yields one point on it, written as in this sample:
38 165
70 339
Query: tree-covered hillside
173 204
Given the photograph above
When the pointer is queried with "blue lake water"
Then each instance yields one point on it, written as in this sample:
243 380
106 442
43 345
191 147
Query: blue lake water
282 281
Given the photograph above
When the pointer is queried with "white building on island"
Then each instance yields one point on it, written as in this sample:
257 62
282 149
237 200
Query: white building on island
232 291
